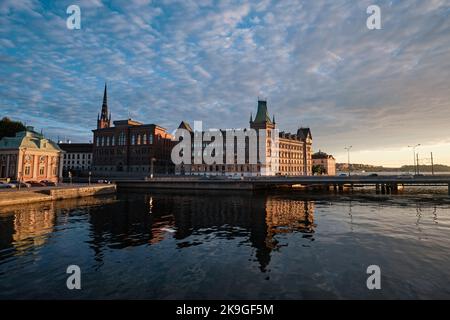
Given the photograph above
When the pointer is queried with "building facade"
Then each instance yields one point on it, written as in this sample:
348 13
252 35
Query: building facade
295 153
277 153
129 147
324 163
77 158
29 156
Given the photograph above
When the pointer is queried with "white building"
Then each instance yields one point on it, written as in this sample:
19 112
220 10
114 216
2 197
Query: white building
77 157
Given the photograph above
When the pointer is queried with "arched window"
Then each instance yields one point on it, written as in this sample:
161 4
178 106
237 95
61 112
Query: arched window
144 138
138 139
151 138
133 139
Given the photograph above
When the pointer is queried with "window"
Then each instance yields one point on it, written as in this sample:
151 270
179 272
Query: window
144 138
112 140
151 138
138 139
122 139
41 171
133 139
27 170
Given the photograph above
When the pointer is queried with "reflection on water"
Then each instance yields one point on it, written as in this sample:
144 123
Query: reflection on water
149 221
225 245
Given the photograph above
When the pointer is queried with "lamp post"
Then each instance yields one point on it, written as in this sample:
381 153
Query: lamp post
414 156
151 170
20 179
348 158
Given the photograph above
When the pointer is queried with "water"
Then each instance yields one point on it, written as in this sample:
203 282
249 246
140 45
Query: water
228 245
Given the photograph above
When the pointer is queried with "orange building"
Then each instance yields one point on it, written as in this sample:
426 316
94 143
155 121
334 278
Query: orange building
325 162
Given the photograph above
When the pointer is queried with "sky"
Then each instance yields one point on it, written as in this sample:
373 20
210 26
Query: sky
315 62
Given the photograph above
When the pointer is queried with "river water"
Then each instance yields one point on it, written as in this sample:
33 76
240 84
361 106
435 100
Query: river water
207 245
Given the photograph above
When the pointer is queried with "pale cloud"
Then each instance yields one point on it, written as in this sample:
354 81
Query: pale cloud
170 60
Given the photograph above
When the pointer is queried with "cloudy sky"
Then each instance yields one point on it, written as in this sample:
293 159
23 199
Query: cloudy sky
165 61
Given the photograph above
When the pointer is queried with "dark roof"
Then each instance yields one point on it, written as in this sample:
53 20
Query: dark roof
304 133
322 155
185 125
76 147
262 114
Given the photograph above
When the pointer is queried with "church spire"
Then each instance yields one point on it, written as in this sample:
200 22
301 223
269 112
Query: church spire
104 121
105 104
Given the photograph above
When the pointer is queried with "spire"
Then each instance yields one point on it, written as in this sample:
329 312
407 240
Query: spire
251 116
273 119
103 121
105 104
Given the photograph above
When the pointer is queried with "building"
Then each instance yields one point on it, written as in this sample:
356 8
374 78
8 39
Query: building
295 153
29 156
77 158
324 163
285 154
129 147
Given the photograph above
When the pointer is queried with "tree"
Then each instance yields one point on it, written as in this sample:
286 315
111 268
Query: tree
318 169
9 128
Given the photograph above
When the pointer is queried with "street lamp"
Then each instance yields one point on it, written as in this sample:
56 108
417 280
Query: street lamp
151 171
348 158
20 178
414 156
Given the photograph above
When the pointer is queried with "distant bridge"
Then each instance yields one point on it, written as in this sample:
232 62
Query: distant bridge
383 184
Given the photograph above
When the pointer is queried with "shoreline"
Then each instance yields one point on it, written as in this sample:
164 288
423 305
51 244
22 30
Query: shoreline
25 196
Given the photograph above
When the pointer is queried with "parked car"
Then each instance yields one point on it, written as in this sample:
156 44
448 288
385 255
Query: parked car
5 185
20 184
343 175
49 183
36 183
373 175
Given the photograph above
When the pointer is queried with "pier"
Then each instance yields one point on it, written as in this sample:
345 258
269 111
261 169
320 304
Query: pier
382 184
40 194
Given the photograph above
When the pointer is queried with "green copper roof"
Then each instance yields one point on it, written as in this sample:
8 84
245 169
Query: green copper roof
262 115
30 140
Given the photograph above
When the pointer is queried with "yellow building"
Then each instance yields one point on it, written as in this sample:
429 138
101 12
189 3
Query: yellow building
29 156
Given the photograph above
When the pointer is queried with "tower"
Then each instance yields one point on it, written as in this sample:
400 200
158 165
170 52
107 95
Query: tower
103 119
266 129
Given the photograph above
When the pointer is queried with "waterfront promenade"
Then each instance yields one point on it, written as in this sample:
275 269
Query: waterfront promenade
382 184
39 194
